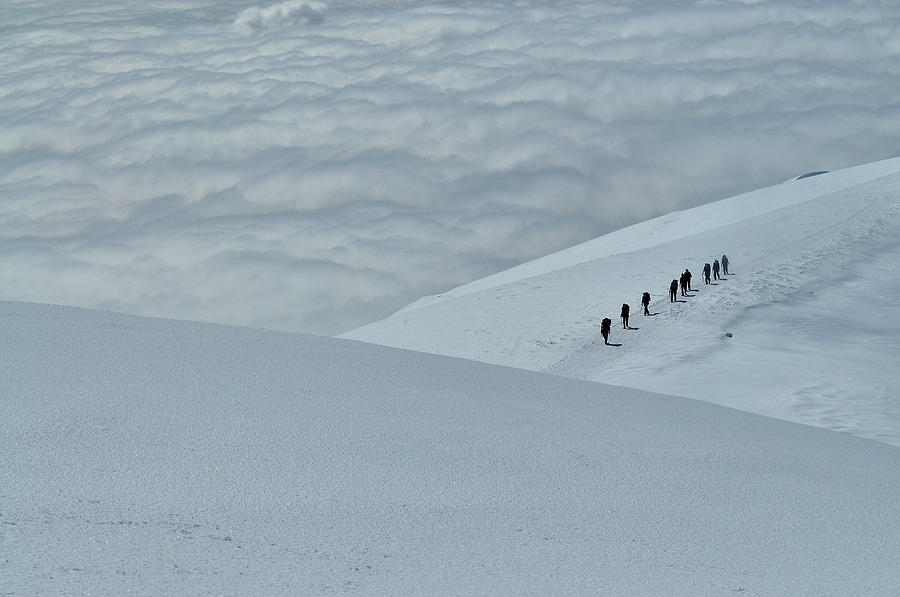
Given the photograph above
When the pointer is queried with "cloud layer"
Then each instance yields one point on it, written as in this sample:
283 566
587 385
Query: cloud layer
313 166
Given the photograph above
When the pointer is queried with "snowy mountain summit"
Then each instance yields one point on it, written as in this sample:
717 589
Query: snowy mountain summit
806 328
157 457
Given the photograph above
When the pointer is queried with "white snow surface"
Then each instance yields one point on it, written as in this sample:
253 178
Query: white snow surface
159 457
806 329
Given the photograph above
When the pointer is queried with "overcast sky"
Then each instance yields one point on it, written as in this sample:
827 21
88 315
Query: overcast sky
314 166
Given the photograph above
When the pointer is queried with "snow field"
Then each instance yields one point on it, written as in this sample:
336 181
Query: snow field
151 456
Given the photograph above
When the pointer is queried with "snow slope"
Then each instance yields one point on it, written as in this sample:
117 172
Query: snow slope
160 457
811 307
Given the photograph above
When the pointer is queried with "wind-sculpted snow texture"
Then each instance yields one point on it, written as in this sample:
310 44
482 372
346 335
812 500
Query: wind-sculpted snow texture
811 306
158 457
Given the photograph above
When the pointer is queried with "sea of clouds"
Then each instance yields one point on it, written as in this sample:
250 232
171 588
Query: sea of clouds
313 166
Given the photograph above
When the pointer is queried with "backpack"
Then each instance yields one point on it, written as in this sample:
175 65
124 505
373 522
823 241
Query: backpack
645 299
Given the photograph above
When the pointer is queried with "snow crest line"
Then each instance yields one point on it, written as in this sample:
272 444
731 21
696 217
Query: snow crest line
829 253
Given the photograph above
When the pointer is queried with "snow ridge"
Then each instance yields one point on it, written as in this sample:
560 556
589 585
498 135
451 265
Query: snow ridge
825 245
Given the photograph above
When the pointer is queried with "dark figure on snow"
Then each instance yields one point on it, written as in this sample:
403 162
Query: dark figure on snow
724 265
604 329
687 278
673 291
645 301
625 310
706 273
716 269
682 281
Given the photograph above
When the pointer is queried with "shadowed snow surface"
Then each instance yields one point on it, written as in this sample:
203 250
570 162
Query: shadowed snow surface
163 457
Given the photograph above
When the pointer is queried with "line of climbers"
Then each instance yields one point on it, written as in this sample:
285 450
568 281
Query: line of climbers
684 283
